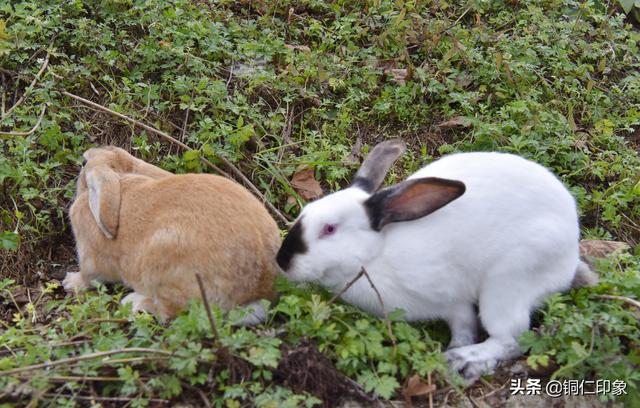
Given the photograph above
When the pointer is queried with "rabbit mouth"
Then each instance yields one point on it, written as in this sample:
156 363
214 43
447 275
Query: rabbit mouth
293 244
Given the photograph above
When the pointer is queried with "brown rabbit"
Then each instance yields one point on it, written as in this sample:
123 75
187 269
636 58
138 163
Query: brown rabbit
154 230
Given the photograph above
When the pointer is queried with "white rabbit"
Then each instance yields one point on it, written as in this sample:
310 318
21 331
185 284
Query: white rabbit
486 230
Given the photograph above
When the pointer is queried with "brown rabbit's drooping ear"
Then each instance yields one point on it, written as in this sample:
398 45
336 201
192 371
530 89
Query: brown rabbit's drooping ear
104 199
377 164
411 199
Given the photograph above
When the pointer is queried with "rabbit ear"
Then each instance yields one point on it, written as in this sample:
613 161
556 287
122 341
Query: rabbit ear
411 199
89 154
104 199
377 164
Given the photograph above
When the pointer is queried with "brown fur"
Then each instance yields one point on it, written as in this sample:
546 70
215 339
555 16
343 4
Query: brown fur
169 228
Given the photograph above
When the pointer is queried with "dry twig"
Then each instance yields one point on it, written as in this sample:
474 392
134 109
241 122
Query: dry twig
625 299
494 389
104 399
286 138
33 129
212 322
173 140
431 393
185 122
52 345
75 378
26 91
384 310
89 356
203 396
363 272
108 321
347 286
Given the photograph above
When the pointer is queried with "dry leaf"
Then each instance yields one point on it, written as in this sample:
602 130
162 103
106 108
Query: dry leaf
458 121
385 65
601 248
298 47
399 74
305 184
23 295
416 387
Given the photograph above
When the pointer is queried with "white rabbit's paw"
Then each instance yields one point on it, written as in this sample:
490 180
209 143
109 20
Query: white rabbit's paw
255 314
74 282
139 303
471 361
461 339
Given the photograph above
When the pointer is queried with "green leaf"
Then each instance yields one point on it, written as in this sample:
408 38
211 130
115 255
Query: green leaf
627 5
383 385
9 240
266 357
3 34
191 155
242 135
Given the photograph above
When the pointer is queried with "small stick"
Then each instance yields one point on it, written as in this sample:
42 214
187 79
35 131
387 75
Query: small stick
201 393
286 138
384 311
108 321
347 286
208 309
137 359
473 401
90 356
431 393
33 129
487 383
230 76
61 344
359 390
203 397
184 125
26 91
76 378
495 390
625 299
173 140
160 133
105 399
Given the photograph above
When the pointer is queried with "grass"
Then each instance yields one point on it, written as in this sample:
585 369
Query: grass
273 87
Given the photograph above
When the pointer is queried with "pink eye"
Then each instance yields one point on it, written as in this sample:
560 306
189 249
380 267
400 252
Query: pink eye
328 229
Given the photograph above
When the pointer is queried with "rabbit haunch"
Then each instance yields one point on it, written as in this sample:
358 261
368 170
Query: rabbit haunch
491 230
154 231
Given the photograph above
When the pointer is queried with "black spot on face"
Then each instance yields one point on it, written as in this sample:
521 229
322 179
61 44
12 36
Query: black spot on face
292 244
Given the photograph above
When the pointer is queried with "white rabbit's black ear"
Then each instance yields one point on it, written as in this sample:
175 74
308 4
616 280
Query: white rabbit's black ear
411 199
377 164
103 185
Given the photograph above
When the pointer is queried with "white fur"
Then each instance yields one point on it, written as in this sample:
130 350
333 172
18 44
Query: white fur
137 301
506 243
255 314
74 282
